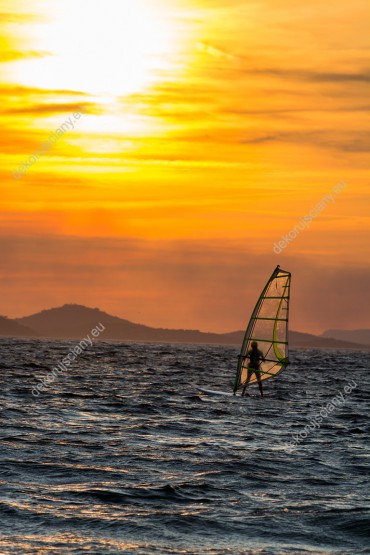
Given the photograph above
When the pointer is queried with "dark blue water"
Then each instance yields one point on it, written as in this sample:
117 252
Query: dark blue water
120 455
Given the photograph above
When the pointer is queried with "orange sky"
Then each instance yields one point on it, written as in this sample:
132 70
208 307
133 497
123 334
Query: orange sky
206 131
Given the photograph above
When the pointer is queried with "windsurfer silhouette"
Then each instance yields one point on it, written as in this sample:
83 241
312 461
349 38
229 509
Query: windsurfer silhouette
255 358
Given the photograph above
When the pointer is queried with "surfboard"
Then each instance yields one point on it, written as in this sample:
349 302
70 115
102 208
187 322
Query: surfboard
210 392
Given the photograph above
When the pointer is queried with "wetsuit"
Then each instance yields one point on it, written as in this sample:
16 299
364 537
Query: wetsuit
255 357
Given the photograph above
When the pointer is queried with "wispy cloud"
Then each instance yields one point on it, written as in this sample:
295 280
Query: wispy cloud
312 76
46 109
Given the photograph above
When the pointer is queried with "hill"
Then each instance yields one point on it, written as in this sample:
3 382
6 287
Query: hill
75 321
302 340
12 328
357 336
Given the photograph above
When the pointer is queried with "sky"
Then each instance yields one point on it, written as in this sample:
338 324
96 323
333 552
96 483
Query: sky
154 154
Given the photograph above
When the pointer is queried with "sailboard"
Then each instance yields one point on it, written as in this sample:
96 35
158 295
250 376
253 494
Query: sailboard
268 327
215 393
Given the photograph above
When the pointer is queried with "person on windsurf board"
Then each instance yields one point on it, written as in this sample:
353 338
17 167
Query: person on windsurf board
255 358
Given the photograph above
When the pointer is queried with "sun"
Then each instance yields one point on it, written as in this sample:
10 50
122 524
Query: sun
113 47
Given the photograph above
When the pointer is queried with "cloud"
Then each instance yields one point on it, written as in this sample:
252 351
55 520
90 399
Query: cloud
312 76
19 16
45 109
206 48
21 91
354 141
299 110
12 55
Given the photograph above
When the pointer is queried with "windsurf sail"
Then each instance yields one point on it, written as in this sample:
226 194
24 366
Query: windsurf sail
268 327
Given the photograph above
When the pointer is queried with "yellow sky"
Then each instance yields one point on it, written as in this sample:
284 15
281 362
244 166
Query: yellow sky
199 134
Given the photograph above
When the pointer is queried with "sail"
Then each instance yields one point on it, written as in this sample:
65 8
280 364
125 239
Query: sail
268 326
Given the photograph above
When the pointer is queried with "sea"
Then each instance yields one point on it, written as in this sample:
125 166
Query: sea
120 454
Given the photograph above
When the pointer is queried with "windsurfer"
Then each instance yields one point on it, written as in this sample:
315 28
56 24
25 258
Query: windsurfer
255 358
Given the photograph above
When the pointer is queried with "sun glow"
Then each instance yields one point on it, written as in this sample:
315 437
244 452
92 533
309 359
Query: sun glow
113 47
